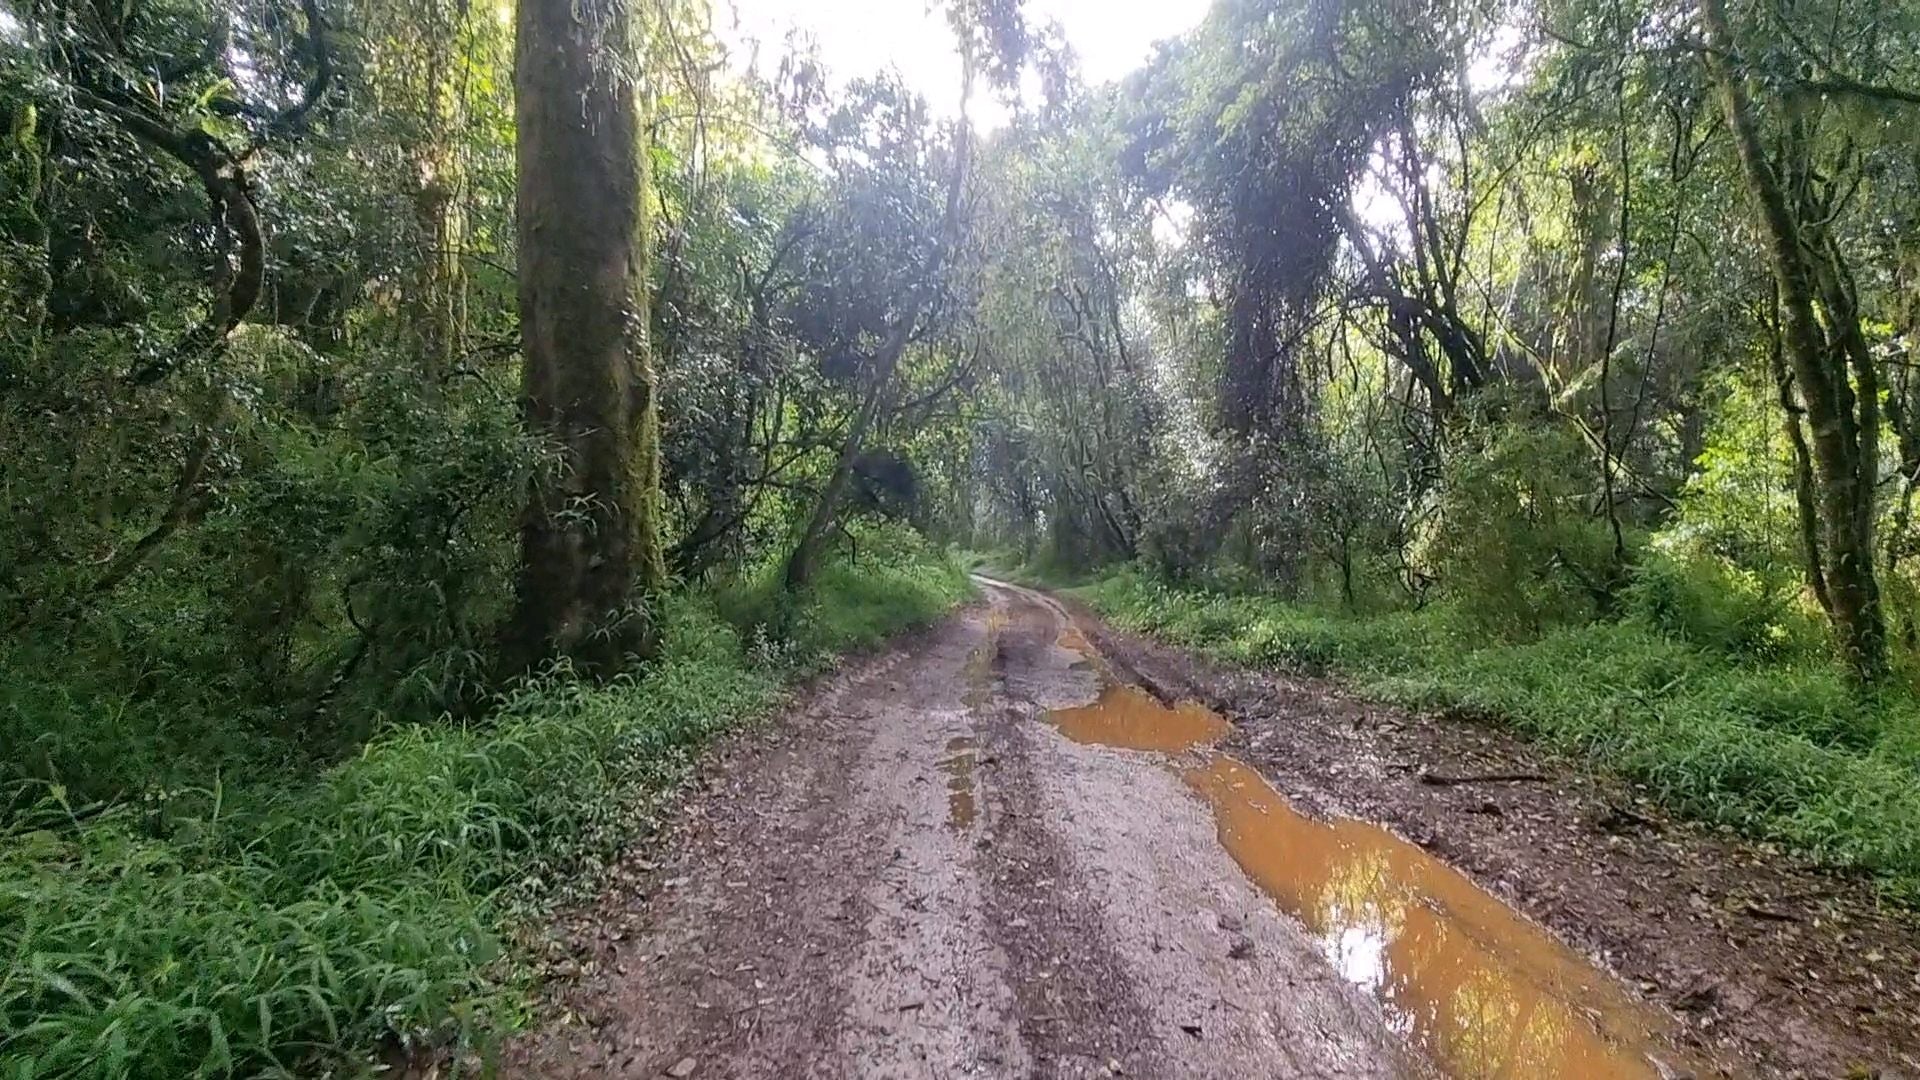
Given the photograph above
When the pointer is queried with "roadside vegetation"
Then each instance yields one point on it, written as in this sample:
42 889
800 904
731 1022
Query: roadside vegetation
275 921
374 562
1554 362
1778 746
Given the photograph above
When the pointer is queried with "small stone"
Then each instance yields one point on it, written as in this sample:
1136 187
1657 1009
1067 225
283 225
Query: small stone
683 1068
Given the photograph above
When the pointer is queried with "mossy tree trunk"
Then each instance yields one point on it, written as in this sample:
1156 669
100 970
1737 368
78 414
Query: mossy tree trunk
1832 368
588 535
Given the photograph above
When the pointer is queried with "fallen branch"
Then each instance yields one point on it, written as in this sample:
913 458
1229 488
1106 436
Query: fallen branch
180 509
1769 914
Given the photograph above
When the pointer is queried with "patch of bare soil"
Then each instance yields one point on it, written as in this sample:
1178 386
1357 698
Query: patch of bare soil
1771 967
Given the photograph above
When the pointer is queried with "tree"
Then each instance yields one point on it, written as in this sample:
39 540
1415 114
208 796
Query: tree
589 535
1833 372
878 212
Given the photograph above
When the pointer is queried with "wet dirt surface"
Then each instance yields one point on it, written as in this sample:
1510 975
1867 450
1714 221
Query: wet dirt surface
983 853
958 765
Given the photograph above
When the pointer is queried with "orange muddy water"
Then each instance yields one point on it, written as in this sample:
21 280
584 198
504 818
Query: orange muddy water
1129 717
1483 991
924 875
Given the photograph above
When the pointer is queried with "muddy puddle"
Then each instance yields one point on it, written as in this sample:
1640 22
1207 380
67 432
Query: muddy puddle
1129 717
979 669
1482 991
958 765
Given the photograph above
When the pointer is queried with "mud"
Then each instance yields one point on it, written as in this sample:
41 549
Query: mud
1479 990
958 765
1766 966
982 853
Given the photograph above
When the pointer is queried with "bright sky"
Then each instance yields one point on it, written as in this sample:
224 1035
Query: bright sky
858 37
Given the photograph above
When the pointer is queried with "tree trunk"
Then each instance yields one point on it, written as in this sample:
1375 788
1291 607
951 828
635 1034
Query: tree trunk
586 533
419 80
649 558
813 537
1805 500
1581 328
28 281
1826 352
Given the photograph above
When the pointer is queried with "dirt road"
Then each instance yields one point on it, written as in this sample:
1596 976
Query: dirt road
986 853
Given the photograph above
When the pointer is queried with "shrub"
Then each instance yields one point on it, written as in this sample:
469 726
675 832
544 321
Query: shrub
1707 601
272 928
884 577
1514 542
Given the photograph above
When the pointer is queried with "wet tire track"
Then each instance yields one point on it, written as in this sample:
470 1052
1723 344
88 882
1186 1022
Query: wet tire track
738 849
1079 1015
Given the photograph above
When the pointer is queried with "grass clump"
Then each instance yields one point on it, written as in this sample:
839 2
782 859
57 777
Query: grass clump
1718 715
266 928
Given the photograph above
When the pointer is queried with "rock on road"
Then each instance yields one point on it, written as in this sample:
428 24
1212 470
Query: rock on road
913 875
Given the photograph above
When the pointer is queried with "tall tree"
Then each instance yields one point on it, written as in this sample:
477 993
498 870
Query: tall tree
1826 352
912 319
588 536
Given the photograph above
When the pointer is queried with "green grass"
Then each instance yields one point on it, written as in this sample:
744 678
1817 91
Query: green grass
898 581
256 929
1776 746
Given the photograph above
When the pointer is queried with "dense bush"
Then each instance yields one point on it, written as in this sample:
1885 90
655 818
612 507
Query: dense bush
252 927
336 572
1514 539
885 575
1712 603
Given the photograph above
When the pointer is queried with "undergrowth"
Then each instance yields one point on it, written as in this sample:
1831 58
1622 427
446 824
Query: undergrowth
251 928
1719 715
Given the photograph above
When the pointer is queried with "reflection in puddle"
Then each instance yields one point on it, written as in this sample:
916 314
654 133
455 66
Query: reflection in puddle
1127 716
1485 992
958 765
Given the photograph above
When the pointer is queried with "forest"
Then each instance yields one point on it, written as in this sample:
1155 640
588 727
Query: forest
424 425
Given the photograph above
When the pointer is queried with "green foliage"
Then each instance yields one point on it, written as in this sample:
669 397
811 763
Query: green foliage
1516 541
1376 305
374 548
1739 498
262 927
1718 605
882 577
1781 749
